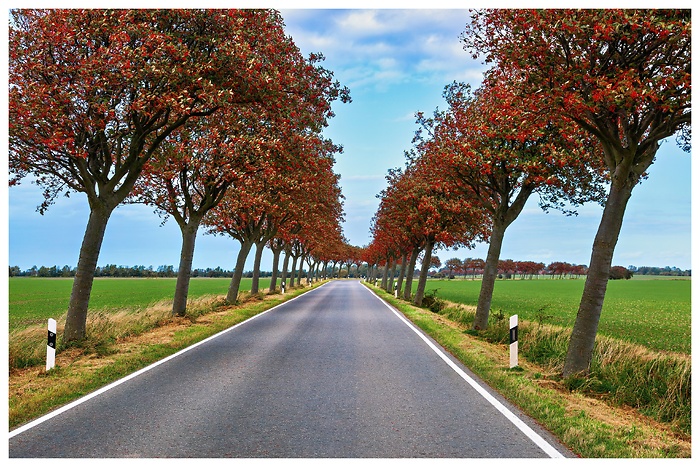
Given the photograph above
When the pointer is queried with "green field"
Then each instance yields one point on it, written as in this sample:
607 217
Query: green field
35 299
655 313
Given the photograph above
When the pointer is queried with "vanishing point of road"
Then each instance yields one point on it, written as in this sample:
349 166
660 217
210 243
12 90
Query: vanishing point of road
333 373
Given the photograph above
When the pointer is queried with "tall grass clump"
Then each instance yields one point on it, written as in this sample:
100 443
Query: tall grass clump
656 383
659 384
27 346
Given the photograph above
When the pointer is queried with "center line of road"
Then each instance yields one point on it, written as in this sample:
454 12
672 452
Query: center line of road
521 425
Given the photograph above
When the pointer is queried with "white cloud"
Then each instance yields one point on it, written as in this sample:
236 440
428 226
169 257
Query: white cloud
361 23
394 46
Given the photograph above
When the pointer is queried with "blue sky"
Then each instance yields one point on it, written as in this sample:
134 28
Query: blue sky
395 62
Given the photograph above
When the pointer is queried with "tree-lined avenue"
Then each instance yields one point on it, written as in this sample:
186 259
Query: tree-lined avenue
333 373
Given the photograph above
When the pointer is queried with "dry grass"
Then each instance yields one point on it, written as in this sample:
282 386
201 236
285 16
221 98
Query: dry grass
27 346
590 422
119 342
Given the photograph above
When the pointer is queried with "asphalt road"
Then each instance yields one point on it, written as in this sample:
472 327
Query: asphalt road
333 373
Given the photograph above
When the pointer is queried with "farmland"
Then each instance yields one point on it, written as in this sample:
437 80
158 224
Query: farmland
628 379
34 300
651 312
654 313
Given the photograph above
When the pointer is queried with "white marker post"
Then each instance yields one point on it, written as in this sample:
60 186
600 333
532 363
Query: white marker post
282 287
51 345
514 341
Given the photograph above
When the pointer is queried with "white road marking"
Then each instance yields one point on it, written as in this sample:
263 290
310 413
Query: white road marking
104 389
521 425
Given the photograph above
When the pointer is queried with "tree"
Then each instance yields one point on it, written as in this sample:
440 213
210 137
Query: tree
300 189
199 164
620 272
418 212
475 265
499 150
622 76
94 93
454 266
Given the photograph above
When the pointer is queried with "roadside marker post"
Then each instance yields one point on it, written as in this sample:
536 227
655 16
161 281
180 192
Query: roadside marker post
282 287
51 345
514 341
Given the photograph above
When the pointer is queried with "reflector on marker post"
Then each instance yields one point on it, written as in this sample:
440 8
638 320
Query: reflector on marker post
514 341
51 345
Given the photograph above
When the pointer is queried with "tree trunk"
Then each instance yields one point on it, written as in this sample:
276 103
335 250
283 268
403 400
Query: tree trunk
389 266
275 266
488 281
76 320
293 272
255 286
580 351
184 272
392 282
402 274
385 275
300 272
310 273
420 290
234 287
409 273
285 265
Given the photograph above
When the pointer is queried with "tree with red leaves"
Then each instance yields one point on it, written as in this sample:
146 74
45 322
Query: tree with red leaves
301 189
418 211
499 149
94 93
622 76
197 166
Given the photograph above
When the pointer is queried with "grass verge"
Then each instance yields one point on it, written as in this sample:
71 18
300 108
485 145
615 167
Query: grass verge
120 343
590 426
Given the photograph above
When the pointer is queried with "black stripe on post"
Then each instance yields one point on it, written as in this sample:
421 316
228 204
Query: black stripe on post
514 334
52 340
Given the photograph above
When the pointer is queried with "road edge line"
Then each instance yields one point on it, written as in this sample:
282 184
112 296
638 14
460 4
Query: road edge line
126 378
550 450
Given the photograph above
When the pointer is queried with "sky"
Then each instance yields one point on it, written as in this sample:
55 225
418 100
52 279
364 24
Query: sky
395 62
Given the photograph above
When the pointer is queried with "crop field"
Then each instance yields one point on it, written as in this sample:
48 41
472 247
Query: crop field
655 313
35 299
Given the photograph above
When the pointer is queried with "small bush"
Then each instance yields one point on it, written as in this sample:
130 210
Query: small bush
433 303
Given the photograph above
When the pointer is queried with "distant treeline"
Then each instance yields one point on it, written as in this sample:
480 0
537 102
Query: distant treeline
654 271
112 270
555 269
509 269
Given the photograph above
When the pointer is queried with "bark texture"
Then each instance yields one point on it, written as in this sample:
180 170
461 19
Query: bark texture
235 285
420 290
580 351
184 272
76 319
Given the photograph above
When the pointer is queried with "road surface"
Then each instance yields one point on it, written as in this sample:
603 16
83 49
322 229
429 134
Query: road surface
333 373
